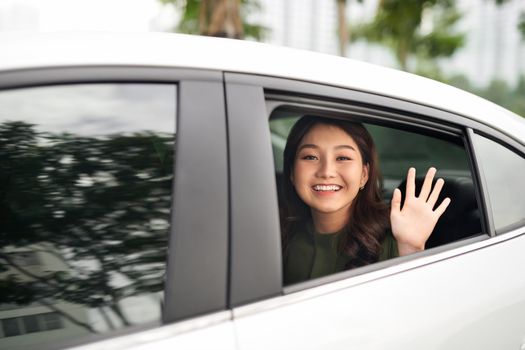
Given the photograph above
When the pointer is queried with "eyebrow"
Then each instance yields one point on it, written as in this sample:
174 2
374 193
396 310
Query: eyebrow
311 145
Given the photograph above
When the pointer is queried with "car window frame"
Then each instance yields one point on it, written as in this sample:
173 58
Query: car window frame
255 255
368 116
279 91
207 303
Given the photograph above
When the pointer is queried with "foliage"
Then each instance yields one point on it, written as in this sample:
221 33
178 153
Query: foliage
521 25
193 20
422 29
497 91
98 206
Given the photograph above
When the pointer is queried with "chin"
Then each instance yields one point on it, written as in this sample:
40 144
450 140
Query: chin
330 210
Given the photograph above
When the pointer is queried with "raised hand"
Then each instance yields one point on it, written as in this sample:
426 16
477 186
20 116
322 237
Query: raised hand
413 224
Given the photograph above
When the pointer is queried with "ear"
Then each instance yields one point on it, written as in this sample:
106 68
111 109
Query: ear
364 174
292 177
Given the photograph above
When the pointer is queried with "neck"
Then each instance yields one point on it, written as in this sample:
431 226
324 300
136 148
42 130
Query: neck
329 223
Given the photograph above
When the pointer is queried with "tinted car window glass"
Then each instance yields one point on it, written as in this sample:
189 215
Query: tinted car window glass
85 199
399 150
503 170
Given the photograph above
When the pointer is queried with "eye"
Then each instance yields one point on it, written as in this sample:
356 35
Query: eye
309 157
343 158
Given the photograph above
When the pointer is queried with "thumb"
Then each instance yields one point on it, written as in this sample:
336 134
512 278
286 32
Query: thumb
396 201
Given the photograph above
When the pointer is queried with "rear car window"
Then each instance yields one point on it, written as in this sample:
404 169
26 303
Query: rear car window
86 174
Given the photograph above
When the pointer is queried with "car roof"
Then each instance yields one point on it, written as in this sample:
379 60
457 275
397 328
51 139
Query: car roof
24 50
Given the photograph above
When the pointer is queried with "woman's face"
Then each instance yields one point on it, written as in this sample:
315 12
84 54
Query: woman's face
328 170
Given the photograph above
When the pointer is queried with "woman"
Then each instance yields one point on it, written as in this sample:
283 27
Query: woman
334 217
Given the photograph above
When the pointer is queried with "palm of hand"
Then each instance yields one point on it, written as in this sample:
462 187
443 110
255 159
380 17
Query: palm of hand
413 224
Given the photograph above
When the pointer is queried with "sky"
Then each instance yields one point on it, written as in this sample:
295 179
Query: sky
71 15
92 109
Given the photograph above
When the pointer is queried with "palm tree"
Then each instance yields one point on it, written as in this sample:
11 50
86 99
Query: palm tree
222 18
343 28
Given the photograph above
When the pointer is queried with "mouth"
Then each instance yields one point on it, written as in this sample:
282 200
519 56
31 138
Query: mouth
326 188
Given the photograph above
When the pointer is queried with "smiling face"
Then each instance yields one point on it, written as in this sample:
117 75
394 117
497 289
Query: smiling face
328 171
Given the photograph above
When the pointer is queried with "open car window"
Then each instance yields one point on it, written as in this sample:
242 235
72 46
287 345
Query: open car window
400 147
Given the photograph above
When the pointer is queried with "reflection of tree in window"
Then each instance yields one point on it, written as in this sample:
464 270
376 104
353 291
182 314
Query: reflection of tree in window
95 209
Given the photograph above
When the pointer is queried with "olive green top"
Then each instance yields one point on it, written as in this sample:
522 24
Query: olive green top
310 254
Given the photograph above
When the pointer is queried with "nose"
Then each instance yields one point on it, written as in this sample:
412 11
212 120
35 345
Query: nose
326 169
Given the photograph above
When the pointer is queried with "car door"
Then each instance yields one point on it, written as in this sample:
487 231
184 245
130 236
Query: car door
463 293
114 207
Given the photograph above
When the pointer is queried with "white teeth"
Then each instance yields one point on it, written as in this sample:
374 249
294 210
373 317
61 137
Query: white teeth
327 188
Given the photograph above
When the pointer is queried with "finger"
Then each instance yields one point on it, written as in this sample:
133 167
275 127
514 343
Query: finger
411 183
442 207
435 192
427 184
396 201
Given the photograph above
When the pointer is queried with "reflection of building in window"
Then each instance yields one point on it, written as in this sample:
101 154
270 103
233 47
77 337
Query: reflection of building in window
30 324
23 321
44 273
10 327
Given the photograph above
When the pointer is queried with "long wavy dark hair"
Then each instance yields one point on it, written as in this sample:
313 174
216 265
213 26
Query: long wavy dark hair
369 216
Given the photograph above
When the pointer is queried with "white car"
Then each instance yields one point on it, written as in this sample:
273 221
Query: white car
139 200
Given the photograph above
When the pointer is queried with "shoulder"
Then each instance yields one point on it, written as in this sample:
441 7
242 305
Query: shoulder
298 233
388 247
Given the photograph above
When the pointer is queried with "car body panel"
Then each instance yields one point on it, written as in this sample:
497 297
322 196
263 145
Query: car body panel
211 331
199 192
33 50
405 302
202 128
468 294
255 252
451 304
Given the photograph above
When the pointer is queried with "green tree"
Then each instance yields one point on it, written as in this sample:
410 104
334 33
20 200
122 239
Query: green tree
497 91
460 81
518 105
521 25
501 93
223 18
98 205
423 29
